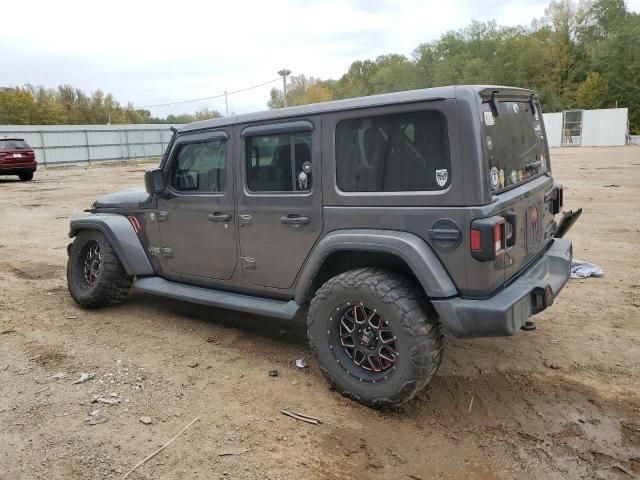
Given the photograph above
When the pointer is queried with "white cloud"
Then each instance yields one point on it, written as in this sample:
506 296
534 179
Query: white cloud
161 51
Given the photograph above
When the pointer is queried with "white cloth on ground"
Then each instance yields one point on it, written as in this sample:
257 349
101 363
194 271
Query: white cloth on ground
580 269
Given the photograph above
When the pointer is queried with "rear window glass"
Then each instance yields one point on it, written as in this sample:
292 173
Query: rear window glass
514 143
393 153
13 144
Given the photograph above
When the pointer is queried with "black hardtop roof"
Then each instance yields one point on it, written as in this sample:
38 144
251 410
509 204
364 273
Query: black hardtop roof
408 96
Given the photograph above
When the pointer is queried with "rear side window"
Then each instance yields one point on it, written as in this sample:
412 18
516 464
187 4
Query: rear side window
393 153
200 167
11 144
279 163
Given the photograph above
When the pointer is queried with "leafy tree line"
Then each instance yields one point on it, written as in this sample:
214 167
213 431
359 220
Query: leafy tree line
31 105
579 55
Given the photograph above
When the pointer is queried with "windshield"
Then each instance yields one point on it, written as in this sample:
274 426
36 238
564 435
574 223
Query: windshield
11 144
514 143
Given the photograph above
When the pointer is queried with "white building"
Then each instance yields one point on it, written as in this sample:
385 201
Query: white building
587 128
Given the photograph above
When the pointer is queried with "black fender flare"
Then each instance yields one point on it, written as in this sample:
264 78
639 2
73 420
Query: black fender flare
410 248
121 236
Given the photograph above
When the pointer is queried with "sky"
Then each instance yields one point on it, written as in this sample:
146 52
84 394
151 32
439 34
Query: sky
153 52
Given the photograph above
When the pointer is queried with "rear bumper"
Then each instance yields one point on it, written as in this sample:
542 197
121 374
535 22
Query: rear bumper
504 313
17 168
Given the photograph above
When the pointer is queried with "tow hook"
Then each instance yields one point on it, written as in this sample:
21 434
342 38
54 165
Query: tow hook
529 326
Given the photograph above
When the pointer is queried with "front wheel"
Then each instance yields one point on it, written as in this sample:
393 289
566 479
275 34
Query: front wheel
95 276
376 338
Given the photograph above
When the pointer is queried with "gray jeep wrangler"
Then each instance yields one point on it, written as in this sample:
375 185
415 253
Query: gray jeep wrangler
383 220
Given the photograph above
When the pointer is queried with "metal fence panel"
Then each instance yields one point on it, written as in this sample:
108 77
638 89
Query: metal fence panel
605 127
553 127
55 144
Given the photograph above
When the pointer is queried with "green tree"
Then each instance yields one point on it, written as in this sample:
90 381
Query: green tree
301 90
592 92
17 106
31 105
555 55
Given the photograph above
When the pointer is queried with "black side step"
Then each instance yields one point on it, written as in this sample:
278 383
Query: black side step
216 298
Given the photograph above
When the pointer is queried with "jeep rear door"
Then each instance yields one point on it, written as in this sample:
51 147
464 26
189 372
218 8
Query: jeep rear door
279 199
518 170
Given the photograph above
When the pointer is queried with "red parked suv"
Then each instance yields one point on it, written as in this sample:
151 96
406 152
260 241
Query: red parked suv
17 158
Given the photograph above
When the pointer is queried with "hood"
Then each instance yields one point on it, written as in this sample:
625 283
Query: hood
132 198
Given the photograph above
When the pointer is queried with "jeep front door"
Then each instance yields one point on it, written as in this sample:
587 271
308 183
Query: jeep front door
196 215
280 205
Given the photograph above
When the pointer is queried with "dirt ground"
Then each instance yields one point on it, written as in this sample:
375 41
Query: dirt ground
562 402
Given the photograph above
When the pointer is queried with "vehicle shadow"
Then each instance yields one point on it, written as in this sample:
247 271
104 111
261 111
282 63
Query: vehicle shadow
292 332
548 423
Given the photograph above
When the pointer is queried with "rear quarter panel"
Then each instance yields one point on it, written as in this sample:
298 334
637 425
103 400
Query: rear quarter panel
417 212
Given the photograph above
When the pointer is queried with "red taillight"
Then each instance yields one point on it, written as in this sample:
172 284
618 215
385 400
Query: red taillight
487 238
497 236
135 223
476 240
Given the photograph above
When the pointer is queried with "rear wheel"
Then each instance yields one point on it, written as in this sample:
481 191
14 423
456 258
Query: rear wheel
26 176
376 338
95 276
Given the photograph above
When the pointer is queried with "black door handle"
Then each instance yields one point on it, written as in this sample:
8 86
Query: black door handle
294 220
219 217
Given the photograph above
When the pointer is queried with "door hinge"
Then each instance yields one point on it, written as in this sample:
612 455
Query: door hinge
248 263
163 216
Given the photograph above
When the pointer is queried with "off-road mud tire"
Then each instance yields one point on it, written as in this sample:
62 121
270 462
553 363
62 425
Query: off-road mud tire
112 284
412 319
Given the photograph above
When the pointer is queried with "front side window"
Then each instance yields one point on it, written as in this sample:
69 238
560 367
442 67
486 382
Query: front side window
393 153
279 163
200 167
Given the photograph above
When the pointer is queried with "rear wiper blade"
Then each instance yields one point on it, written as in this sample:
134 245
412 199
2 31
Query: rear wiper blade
532 104
493 103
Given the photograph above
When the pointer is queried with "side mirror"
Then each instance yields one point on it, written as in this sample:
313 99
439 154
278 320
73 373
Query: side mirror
154 181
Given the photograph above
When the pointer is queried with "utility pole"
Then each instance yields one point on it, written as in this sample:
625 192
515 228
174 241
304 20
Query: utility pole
284 73
226 103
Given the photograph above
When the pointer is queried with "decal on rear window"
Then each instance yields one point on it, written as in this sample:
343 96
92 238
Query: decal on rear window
441 176
495 178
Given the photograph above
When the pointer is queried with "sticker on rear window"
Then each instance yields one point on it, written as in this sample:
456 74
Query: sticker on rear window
495 178
501 178
441 177
488 118
538 129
